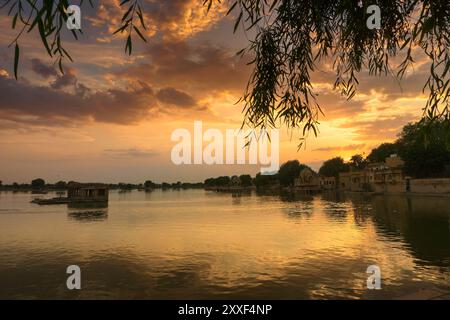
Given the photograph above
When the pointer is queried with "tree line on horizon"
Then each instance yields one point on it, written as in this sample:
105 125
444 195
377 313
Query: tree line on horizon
41 184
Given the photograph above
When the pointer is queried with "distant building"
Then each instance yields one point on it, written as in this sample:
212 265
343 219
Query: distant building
376 177
358 181
387 177
391 177
328 183
394 161
344 181
87 192
307 180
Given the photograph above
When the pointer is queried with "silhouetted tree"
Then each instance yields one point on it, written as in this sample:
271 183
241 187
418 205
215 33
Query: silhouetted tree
38 183
246 180
357 162
383 151
424 148
61 185
265 180
149 184
289 171
332 167
177 185
165 185
218 182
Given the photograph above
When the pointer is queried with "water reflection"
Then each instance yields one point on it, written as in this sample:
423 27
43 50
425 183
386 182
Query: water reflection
88 212
192 244
88 216
422 222
87 205
298 210
295 197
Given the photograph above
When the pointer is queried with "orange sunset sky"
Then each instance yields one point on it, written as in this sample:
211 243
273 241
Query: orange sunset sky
110 117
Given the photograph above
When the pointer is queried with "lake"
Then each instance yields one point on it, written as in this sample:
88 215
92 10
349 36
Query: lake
195 244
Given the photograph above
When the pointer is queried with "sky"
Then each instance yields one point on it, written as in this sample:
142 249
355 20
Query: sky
110 117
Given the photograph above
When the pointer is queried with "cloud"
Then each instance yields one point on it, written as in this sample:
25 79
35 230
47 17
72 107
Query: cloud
25 104
65 80
40 68
335 106
198 68
349 147
4 73
130 153
60 80
381 128
22 101
182 18
175 97
379 93
168 19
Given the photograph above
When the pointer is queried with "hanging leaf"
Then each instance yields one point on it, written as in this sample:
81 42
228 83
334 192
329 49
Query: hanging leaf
16 59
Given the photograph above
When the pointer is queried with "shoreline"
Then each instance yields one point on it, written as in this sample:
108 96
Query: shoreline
265 191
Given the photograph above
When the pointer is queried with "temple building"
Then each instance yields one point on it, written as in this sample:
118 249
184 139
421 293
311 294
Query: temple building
87 192
307 180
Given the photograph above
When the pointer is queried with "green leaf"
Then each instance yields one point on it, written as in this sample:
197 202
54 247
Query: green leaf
238 20
232 8
60 65
43 36
128 46
16 59
121 29
15 20
127 13
140 34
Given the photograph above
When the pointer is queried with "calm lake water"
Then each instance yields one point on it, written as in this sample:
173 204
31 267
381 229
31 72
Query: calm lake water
197 244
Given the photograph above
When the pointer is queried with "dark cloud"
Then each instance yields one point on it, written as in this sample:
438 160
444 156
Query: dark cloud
22 101
65 80
60 80
29 105
40 68
175 97
130 153
193 68
81 90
